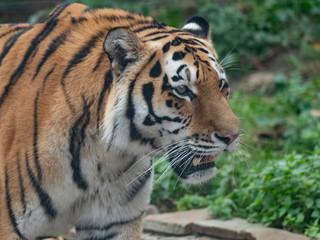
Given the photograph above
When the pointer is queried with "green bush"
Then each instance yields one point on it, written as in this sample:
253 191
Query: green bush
281 193
257 30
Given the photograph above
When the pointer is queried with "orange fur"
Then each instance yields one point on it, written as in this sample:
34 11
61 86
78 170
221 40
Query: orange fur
38 109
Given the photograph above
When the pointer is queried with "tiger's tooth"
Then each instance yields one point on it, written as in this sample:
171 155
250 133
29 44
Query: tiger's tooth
212 158
196 161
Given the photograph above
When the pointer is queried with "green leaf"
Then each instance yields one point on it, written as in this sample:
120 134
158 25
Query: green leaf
309 202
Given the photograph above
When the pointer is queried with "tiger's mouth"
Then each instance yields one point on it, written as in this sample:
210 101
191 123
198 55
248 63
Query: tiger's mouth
186 165
203 160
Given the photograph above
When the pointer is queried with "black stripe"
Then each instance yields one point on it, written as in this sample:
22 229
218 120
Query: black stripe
106 86
91 227
44 237
57 11
78 20
106 237
47 76
156 70
203 50
165 84
176 78
198 58
77 137
135 134
12 24
127 167
179 55
22 189
177 41
186 34
9 206
55 44
138 184
54 12
12 30
197 40
158 38
154 33
89 9
165 32
10 42
45 199
204 61
99 61
180 68
114 128
166 47
148 92
47 29
148 25
169 103
76 59
35 138
114 18
145 28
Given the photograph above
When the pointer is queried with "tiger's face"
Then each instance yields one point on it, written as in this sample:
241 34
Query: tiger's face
177 101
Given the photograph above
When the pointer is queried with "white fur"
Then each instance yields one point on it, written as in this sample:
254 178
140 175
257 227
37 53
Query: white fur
192 26
201 176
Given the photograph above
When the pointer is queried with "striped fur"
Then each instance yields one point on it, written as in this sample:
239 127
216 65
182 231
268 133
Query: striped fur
85 97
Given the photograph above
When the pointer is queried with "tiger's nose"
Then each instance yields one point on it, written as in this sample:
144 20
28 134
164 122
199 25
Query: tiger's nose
228 138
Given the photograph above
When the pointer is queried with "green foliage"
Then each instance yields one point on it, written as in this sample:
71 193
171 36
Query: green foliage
313 230
166 185
192 202
281 193
257 30
167 188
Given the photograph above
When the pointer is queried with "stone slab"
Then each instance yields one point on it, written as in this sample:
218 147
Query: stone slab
148 236
240 229
256 232
177 223
231 229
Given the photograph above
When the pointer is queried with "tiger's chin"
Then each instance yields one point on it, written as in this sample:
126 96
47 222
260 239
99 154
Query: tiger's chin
199 170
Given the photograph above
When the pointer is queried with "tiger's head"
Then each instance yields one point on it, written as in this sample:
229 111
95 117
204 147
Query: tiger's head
175 99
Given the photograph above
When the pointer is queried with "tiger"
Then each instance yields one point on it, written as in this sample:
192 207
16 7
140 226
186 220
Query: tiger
87 98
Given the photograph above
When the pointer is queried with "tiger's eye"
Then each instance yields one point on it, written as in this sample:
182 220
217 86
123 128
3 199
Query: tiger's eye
182 89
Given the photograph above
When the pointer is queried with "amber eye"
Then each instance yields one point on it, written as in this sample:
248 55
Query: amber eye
182 90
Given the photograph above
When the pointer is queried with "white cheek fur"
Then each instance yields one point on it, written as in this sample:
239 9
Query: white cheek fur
171 69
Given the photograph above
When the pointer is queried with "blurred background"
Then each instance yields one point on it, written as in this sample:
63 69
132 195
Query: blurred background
271 52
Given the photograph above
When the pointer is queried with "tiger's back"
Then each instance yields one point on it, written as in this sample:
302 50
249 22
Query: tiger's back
78 112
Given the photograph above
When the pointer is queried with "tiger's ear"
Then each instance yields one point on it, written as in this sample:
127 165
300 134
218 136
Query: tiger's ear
199 27
122 47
